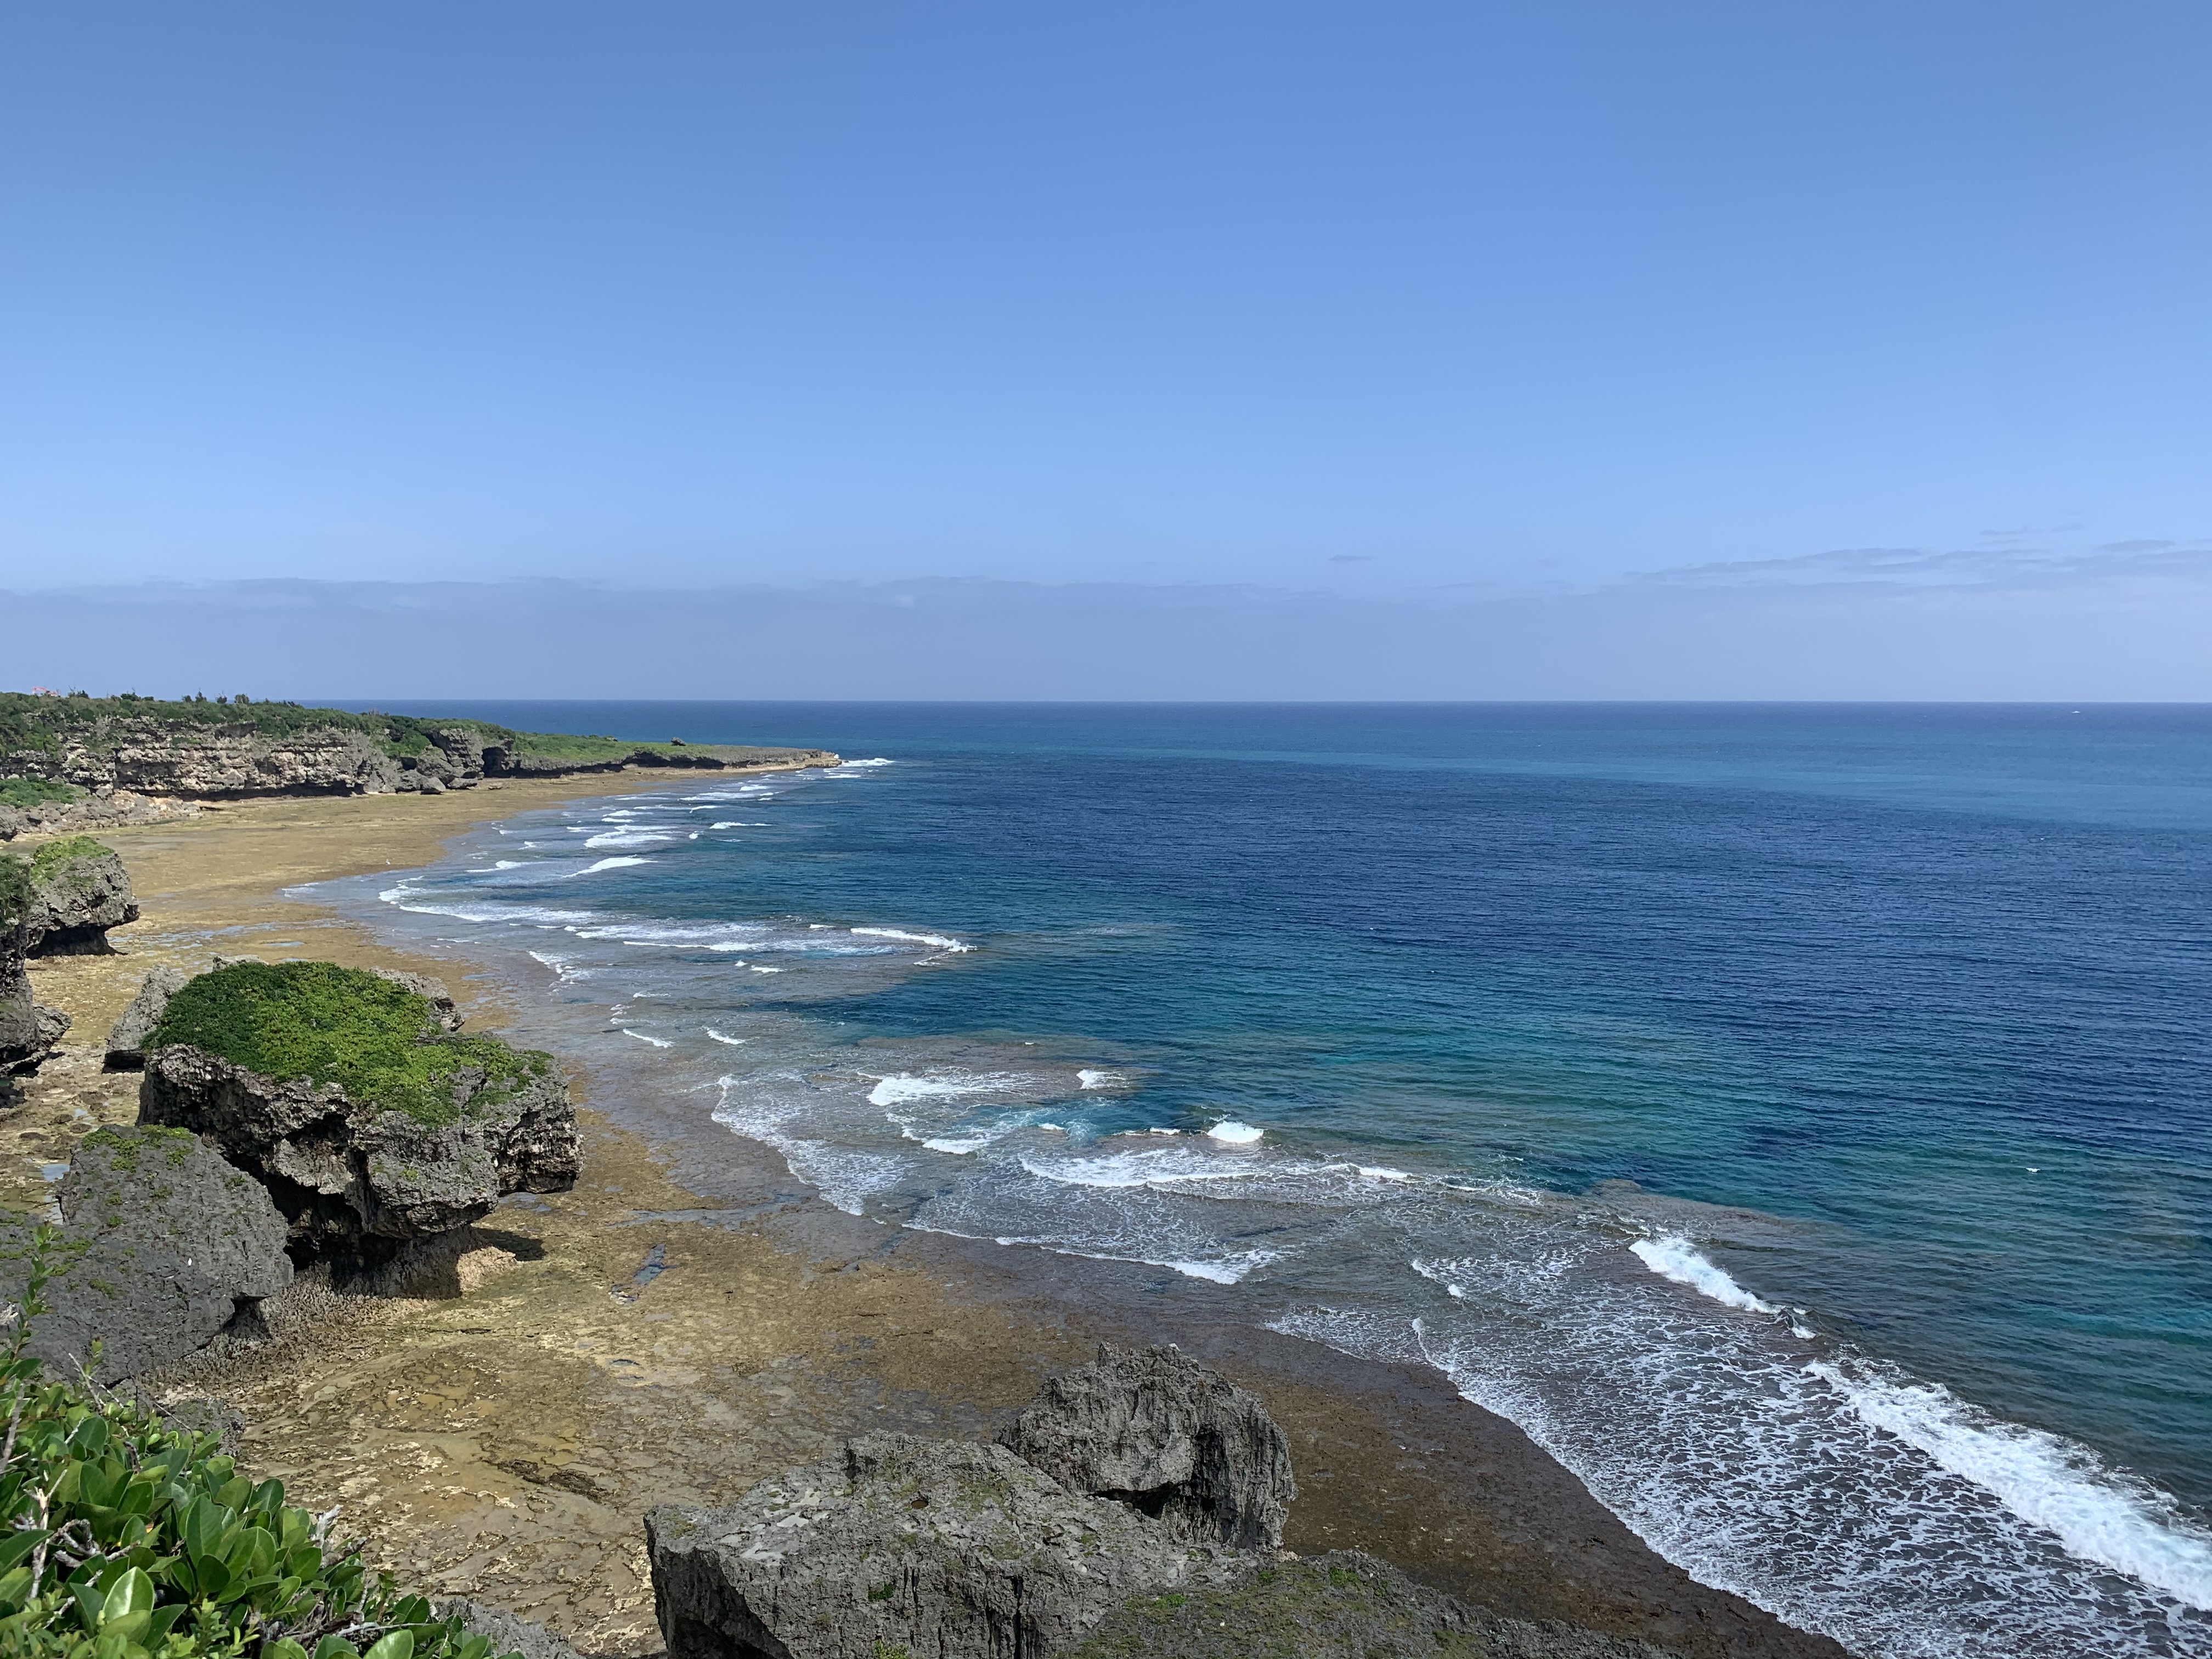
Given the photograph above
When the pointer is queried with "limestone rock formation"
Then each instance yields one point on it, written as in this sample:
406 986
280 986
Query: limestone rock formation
79 889
356 1181
127 1036
164 1245
508 1633
432 991
150 754
1340 1606
28 1033
934 1547
1159 1432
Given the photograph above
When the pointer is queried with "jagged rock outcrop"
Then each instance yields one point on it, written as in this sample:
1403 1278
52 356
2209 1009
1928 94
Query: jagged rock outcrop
79 889
1155 1430
508 1633
29 1034
432 991
1340 1606
127 1036
356 1180
935 1547
122 806
164 1245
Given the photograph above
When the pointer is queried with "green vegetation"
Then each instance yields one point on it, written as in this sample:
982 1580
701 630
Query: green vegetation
316 1020
125 1537
36 791
33 731
14 890
50 860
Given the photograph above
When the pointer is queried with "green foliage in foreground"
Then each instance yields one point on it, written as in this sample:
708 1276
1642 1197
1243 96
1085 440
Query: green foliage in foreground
316 1020
36 791
122 1537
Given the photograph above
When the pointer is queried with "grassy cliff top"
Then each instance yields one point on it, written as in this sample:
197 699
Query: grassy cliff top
50 858
34 725
318 1021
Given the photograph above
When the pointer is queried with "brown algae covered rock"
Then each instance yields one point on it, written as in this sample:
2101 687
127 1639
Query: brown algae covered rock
348 1095
1154 1428
907 1545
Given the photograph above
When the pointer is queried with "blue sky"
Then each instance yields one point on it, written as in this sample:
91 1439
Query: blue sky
1424 303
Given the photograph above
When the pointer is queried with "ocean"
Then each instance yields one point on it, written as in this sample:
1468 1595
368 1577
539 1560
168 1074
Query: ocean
1794 1117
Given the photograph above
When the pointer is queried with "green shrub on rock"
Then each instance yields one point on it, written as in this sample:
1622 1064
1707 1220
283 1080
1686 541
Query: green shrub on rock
379 1041
123 1536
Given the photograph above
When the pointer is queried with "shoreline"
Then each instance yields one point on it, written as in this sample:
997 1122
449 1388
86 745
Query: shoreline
503 1440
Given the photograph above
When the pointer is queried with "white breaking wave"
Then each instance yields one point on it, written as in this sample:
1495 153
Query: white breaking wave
1230 1133
735 1043
938 939
608 864
900 1087
656 1041
1230 1270
1090 1079
2057 1485
1674 1258
628 838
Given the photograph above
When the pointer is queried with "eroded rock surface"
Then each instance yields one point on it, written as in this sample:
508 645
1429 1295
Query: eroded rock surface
508 1633
79 889
164 1245
1157 1431
936 1547
126 1038
354 1180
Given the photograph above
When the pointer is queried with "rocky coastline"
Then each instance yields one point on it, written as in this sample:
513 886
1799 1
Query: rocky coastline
503 1377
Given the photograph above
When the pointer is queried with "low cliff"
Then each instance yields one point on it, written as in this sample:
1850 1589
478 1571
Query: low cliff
53 750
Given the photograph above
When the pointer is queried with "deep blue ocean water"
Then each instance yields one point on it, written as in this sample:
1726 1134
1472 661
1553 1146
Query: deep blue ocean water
1899 1020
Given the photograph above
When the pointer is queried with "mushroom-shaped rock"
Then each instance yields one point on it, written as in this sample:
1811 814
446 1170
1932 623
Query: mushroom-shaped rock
344 1093
906 1545
1156 1430
79 889
162 1242
126 1038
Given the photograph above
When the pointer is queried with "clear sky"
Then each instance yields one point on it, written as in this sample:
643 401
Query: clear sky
1453 300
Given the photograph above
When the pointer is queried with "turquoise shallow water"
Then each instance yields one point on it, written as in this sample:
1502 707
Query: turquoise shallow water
1895 1017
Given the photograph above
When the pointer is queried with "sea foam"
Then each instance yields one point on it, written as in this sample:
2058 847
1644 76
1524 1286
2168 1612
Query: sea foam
1674 1258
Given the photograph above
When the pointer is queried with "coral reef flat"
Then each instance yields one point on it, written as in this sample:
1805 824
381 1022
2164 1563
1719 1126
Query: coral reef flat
497 1426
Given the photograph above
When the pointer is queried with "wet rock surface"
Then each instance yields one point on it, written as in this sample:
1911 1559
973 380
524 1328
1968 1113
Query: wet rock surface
354 1180
164 1246
1155 1430
904 1544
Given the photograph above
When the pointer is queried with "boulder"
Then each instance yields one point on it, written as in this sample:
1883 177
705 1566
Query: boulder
432 991
1164 1434
127 1036
164 1245
508 1633
1340 1606
437 1130
79 889
354 1179
903 1545
29 1034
